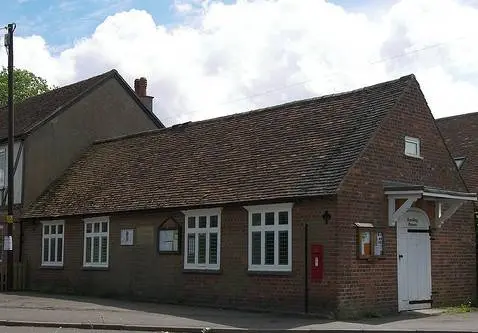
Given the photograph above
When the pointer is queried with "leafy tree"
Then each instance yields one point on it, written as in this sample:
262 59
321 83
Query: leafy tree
26 84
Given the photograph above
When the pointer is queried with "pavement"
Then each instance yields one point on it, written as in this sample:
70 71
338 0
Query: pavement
40 310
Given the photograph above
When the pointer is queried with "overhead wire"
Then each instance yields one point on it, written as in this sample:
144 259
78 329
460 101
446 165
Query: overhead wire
328 76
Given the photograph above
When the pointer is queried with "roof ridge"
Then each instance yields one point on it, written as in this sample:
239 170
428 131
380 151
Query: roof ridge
99 80
458 116
246 113
105 74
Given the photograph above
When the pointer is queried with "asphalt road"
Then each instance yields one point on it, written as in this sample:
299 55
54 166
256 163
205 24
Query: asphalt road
11 329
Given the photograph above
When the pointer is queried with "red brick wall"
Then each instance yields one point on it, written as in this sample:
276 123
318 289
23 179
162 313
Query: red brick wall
372 286
139 271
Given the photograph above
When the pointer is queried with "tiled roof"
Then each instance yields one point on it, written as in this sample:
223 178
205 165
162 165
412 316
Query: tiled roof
298 149
461 136
34 111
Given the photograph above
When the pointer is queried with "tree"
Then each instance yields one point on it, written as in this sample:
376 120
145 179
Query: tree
26 84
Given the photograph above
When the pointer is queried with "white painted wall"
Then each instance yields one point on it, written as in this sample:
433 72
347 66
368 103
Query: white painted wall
18 177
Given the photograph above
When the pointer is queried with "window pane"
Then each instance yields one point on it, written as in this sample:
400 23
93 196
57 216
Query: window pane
192 222
283 218
213 221
213 248
269 248
88 227
256 248
202 221
191 248
104 249
256 219
59 255
88 249
46 229
53 229
269 218
96 248
283 247
201 248
60 229
52 249
411 148
96 227
46 245
104 227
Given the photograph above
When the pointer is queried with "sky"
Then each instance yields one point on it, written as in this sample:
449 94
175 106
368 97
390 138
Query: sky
207 58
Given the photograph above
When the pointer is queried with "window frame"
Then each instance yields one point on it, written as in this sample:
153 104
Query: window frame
57 236
263 209
93 220
196 213
412 140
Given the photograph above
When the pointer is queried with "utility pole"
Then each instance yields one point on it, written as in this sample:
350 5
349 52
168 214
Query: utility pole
8 245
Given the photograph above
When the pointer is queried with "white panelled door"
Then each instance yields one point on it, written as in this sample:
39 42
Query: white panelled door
414 261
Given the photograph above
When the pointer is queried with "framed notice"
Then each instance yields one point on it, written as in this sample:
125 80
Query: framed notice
168 240
127 237
169 235
369 241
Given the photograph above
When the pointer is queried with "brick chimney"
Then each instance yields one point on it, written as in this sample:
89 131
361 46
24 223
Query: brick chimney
140 87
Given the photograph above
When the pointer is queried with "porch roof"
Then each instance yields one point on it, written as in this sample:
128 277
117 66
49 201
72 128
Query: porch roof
413 192
427 192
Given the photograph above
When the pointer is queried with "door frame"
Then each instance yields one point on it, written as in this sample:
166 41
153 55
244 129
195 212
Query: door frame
401 305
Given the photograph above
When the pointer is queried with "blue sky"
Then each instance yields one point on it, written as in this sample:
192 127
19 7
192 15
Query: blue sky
61 22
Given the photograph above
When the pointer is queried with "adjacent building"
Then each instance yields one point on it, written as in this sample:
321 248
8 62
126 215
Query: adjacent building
53 129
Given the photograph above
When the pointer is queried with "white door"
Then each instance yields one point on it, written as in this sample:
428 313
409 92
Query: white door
414 261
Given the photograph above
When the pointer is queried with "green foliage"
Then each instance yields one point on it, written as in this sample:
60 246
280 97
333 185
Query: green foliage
26 84
462 308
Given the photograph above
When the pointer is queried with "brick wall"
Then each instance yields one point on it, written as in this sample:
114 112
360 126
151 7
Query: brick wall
372 286
139 271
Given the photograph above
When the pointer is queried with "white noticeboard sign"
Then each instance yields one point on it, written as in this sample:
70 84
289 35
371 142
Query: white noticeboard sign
7 243
127 236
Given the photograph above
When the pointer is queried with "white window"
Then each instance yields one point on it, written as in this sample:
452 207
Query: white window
270 237
96 247
412 146
202 245
53 243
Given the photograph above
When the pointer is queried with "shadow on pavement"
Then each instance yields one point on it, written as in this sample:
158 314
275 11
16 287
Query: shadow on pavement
243 319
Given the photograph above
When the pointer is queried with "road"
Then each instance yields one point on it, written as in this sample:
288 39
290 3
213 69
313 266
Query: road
11 329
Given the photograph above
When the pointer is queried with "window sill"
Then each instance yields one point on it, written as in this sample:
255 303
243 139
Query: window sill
202 271
51 267
95 268
271 273
414 157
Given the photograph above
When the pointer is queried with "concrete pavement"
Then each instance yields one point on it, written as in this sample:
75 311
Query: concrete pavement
23 309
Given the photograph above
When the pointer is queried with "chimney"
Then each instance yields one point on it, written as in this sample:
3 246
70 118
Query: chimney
140 86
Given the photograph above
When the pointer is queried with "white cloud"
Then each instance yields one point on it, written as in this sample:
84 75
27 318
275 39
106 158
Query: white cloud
231 58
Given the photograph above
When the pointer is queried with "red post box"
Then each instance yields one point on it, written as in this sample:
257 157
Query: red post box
317 264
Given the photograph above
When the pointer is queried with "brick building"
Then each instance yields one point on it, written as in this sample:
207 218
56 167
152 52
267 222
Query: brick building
347 204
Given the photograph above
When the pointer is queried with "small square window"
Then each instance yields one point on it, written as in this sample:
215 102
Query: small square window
412 146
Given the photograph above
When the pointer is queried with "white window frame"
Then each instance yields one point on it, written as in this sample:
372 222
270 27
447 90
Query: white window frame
196 231
56 236
93 220
415 141
262 209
